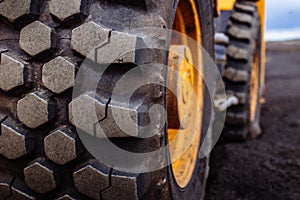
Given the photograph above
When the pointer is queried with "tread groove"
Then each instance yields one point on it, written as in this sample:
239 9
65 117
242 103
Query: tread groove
110 183
10 189
105 116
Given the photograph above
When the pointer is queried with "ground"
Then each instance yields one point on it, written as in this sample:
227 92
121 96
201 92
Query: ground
269 167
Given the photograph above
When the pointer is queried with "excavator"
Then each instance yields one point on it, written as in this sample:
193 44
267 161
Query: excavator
124 99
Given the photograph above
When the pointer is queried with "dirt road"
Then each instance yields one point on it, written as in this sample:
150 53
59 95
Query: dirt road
269 167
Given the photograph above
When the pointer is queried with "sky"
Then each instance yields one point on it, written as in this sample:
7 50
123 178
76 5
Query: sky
283 20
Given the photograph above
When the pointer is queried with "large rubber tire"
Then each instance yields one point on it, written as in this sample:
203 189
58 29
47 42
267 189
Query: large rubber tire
245 43
41 155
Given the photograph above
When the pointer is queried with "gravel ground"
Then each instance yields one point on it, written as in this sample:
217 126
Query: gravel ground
269 167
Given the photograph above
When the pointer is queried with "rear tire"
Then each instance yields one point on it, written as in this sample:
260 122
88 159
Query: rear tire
244 47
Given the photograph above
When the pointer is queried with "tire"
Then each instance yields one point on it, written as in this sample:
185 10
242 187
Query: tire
42 45
245 45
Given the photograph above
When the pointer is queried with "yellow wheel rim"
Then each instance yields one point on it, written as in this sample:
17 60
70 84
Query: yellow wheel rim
254 86
185 111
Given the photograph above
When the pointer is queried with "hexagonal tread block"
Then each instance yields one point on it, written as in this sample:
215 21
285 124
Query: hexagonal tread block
119 122
20 191
239 33
120 49
237 52
35 109
19 12
85 111
36 38
66 197
242 18
18 194
91 178
14 142
105 46
122 187
40 176
4 190
246 6
236 75
58 75
60 146
68 9
5 185
88 113
87 37
12 72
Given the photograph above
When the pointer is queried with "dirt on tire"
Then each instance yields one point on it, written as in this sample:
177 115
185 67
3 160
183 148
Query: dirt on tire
269 167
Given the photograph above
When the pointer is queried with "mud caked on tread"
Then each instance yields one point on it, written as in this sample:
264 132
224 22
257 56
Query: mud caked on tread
244 32
42 44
